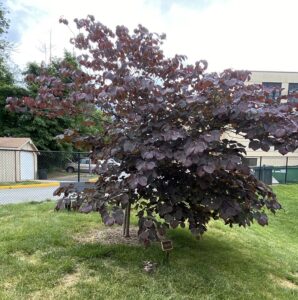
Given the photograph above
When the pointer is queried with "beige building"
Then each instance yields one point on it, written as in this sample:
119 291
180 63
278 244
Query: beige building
272 158
288 82
18 159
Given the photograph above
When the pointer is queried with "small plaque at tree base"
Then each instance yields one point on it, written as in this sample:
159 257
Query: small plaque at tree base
166 245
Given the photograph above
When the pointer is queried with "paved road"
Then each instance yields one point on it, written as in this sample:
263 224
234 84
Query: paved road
8 196
71 177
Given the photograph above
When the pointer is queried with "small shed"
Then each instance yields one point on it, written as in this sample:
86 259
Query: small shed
18 159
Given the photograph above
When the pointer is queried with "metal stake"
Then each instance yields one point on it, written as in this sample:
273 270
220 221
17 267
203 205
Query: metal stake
79 168
286 175
260 168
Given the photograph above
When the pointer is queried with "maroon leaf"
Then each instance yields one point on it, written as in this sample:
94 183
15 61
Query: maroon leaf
148 223
148 155
86 208
124 199
280 132
142 180
108 220
174 223
144 235
209 168
262 219
255 145
118 215
129 146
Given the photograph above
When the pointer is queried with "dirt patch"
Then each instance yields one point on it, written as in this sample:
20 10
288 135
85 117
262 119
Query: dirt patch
38 295
63 288
109 236
285 283
30 259
71 279
9 285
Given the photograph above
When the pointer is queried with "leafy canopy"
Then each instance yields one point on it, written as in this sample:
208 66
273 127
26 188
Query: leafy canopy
41 128
6 77
168 120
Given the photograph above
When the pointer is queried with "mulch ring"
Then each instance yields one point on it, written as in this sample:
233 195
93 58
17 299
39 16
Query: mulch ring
109 236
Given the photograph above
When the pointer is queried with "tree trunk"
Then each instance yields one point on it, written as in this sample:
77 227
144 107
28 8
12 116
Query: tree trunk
126 221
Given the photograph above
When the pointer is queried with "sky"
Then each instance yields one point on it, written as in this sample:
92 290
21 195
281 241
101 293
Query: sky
238 34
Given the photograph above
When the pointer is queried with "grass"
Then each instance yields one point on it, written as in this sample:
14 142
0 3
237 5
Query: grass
39 259
19 183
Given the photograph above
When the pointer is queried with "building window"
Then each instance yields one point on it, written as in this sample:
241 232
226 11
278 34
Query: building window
273 88
293 89
250 161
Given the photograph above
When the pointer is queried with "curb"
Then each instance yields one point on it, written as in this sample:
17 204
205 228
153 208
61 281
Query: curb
93 180
23 186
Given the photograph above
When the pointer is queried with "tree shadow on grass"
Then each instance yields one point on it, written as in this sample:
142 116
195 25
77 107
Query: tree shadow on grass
193 264
212 253
214 264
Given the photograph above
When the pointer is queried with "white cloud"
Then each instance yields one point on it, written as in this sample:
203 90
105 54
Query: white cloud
244 34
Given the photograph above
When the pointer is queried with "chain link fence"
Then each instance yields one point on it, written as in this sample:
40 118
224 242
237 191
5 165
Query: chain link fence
274 169
34 175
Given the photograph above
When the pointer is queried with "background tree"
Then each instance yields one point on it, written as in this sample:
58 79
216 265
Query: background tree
90 124
166 128
42 129
4 25
6 76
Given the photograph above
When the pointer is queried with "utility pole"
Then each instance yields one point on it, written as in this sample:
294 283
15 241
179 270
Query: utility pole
47 50
43 49
50 46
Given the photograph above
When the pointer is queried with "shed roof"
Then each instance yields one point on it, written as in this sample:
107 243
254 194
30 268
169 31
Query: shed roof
15 143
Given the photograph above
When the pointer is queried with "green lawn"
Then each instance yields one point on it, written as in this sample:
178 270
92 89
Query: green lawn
39 259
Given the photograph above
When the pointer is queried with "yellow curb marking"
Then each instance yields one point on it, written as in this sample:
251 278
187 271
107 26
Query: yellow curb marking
49 184
93 180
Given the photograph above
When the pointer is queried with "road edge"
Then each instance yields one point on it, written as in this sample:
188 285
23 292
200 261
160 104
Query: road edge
24 186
